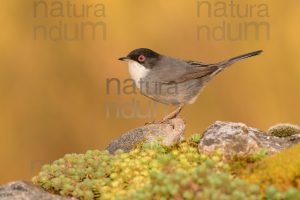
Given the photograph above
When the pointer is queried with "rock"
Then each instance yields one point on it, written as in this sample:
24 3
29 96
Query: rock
22 190
237 139
167 134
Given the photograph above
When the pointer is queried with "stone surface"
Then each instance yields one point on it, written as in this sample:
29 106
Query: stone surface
237 139
22 190
168 134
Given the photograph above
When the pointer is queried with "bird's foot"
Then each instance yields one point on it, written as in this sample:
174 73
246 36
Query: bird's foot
157 122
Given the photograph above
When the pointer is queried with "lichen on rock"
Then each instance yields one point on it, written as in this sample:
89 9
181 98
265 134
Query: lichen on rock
24 190
237 139
168 134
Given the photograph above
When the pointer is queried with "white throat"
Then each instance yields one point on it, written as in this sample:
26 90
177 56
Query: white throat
137 71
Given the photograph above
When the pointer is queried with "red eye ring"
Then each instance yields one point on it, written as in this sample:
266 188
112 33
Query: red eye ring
141 58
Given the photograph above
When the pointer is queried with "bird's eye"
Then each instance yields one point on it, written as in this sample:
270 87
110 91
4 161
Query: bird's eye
141 58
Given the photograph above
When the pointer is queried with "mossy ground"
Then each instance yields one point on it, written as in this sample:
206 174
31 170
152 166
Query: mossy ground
281 170
152 171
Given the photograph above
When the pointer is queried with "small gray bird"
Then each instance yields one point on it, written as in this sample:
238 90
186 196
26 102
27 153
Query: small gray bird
170 80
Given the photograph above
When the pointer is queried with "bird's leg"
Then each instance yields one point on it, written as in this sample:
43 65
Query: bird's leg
173 114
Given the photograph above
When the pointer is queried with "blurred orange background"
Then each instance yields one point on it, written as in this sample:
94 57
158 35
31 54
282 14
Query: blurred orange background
53 97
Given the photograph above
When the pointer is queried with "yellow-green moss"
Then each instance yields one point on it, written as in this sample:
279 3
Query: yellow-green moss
239 164
151 171
281 170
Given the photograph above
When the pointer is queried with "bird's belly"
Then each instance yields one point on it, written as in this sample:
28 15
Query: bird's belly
177 93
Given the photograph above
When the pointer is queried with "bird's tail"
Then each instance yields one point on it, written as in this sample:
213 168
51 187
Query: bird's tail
230 61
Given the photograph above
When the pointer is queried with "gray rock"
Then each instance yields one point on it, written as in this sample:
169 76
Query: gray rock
237 139
22 190
168 134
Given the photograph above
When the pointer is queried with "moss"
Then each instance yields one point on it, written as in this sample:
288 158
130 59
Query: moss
281 170
150 171
195 138
284 130
239 164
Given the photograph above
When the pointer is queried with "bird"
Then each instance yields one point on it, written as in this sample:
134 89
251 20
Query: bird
173 81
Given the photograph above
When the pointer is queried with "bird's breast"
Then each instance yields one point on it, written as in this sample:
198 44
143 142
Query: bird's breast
137 72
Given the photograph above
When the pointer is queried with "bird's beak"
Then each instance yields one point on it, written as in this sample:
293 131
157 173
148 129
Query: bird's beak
124 58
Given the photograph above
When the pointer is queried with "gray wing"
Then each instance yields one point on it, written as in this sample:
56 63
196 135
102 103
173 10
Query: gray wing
197 63
172 70
198 70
